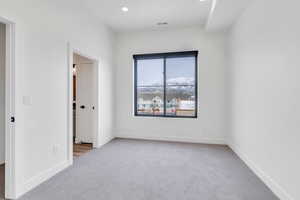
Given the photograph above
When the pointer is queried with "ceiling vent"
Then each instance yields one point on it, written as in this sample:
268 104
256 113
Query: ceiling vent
162 23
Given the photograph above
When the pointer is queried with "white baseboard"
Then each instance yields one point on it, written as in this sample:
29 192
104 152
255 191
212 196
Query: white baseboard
106 141
47 174
274 186
42 177
172 139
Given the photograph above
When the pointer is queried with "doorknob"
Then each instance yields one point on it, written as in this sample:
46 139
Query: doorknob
82 107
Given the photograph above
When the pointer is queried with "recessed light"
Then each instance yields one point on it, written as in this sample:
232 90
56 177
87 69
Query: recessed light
202 0
125 9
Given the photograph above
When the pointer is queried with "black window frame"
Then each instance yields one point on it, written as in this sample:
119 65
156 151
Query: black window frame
164 56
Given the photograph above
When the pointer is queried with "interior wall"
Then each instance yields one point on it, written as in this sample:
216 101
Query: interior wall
209 127
2 92
43 29
265 93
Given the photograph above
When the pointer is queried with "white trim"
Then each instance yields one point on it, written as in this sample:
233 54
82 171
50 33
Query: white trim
273 185
47 174
106 141
171 139
10 167
43 176
71 50
70 106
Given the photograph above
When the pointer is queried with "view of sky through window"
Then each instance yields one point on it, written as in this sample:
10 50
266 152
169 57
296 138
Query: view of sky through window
150 72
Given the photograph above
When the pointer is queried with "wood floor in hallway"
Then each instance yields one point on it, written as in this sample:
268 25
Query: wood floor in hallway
80 149
2 182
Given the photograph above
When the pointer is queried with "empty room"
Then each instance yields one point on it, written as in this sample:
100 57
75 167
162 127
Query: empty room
149 100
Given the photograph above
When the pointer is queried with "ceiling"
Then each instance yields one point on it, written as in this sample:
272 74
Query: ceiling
225 12
214 15
145 14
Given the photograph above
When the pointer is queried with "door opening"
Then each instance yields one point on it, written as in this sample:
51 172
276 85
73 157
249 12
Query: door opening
84 81
2 108
7 110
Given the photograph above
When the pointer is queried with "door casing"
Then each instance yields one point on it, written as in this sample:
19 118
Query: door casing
71 51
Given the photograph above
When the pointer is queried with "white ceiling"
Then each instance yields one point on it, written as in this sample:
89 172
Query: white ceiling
145 14
214 15
224 13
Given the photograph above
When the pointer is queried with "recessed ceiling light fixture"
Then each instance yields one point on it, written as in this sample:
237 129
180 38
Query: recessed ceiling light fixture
202 0
125 9
162 23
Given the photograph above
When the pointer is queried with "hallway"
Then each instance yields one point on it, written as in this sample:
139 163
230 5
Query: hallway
2 186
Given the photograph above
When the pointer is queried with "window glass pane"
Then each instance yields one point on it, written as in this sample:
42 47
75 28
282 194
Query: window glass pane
150 87
180 88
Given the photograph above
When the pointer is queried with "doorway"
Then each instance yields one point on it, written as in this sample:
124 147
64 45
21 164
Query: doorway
84 104
2 108
7 110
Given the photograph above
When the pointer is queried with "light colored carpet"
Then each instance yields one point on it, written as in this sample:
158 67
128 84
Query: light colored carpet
148 170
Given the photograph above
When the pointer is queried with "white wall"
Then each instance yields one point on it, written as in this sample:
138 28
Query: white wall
265 92
209 127
43 29
2 92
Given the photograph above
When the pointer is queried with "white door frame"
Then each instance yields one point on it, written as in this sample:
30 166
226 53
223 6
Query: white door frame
71 51
10 142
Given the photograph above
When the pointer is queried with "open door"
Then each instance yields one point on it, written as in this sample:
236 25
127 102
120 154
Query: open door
83 112
85 104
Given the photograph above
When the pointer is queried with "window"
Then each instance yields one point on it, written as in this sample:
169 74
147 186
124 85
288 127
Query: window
165 84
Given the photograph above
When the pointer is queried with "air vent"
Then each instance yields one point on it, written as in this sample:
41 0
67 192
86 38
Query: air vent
162 23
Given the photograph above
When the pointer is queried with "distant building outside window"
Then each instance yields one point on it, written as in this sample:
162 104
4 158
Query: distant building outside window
165 84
